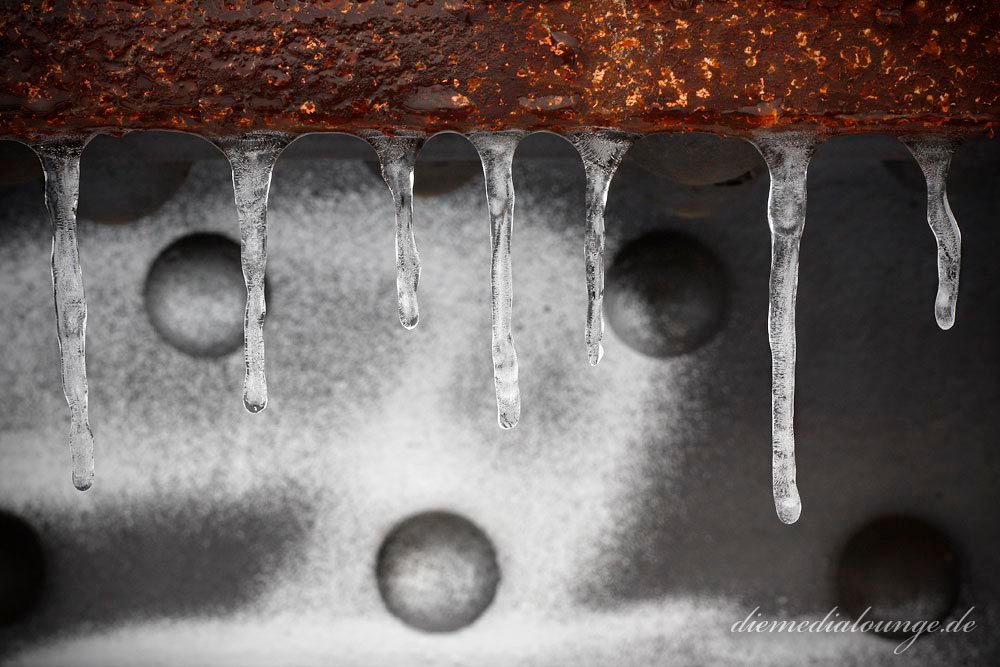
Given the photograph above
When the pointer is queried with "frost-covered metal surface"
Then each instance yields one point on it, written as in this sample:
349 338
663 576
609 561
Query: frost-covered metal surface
302 65
218 537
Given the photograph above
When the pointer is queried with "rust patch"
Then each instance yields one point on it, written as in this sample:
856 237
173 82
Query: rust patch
216 67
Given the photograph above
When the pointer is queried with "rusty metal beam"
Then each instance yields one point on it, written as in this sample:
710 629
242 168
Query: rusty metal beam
216 67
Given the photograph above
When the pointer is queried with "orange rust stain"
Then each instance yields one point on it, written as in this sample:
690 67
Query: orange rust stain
640 65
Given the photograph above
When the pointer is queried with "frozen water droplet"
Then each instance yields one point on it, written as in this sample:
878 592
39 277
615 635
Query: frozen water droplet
61 164
787 156
398 155
496 150
602 151
252 157
933 154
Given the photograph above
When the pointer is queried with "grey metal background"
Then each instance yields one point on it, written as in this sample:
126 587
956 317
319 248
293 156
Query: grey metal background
630 509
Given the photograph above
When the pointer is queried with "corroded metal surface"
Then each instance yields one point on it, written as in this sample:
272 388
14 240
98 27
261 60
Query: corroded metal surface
734 65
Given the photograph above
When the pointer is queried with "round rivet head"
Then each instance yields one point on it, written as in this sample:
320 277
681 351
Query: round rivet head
437 572
697 158
666 294
196 296
898 568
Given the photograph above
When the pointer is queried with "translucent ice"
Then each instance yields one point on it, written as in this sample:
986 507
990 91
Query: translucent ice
61 163
787 156
933 154
397 155
252 157
602 151
496 150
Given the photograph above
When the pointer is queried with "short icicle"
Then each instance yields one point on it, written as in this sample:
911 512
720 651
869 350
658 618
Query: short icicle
787 156
602 151
252 157
397 156
933 154
61 164
496 151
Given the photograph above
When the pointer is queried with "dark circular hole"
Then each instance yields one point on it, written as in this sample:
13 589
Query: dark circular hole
902 568
22 568
437 572
196 296
666 294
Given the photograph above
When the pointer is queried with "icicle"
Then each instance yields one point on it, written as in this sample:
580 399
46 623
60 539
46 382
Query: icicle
933 154
496 150
61 164
252 157
397 155
602 151
787 156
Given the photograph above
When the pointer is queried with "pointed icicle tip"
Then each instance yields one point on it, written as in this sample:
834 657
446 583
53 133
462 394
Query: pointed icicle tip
602 151
934 153
508 419
789 508
944 311
410 323
81 440
253 405
596 357
254 391
397 156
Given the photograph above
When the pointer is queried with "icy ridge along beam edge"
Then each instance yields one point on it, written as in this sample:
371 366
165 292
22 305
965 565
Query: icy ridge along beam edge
80 66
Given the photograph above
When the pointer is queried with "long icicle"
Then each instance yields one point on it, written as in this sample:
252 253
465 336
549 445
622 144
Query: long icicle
602 151
61 164
496 151
787 156
252 157
933 154
397 156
